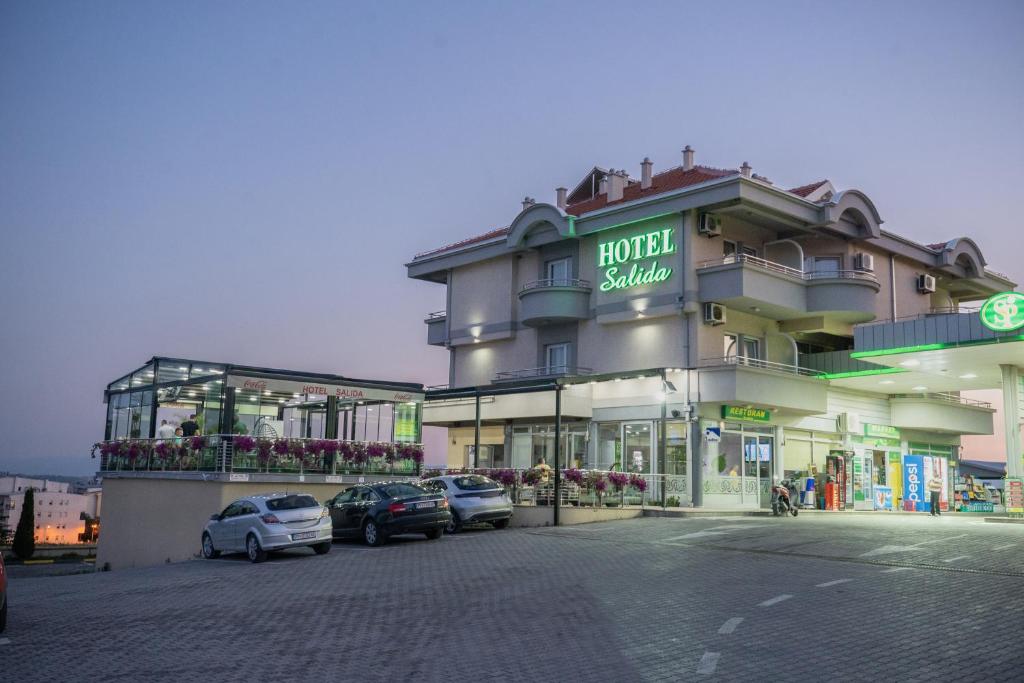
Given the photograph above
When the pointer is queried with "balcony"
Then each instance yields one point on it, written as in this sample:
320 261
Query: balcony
940 412
772 290
554 301
737 380
437 328
541 373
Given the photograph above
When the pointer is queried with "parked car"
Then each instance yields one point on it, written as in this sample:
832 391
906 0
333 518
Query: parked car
473 498
261 523
3 595
374 512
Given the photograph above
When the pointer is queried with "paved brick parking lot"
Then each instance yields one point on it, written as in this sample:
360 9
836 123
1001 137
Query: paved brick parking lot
728 598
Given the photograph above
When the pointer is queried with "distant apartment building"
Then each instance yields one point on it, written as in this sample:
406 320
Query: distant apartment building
60 514
707 324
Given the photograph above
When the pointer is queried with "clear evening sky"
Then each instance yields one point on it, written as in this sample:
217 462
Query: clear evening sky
243 182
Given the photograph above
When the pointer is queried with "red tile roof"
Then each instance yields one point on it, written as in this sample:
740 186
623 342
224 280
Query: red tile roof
465 243
672 179
805 190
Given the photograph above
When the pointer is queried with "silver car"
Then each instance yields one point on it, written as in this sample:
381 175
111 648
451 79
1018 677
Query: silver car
263 522
473 498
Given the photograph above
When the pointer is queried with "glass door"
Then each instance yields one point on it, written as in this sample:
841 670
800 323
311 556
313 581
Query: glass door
638 447
757 469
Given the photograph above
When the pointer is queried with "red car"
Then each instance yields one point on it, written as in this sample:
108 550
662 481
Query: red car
3 595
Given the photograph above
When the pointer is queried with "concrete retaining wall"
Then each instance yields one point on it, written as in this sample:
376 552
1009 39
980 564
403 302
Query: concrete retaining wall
544 515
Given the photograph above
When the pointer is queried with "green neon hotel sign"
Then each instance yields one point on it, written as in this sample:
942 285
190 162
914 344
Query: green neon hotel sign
1003 312
614 255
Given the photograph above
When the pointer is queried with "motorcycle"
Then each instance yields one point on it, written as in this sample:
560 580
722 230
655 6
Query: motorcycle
784 497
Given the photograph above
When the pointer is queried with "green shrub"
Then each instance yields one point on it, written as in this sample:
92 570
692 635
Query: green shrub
24 537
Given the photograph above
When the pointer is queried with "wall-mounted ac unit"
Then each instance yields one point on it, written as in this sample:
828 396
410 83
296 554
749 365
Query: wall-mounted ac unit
864 261
709 225
714 314
849 423
925 283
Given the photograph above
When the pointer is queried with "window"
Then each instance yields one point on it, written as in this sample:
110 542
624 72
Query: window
292 502
748 251
346 497
474 482
824 265
559 270
556 358
400 490
751 347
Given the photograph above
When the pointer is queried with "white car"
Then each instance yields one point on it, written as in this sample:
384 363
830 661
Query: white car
473 498
263 522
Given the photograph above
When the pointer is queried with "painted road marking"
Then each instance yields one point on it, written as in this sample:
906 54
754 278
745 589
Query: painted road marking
708 663
940 540
958 557
1005 547
774 601
730 625
695 534
832 583
895 569
887 549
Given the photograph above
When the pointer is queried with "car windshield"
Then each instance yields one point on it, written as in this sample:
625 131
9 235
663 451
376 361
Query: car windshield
400 490
474 482
292 502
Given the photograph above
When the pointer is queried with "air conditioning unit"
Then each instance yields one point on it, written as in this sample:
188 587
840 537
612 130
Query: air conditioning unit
925 283
714 314
849 423
864 261
709 225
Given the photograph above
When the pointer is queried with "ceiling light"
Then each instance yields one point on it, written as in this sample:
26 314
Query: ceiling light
888 381
593 381
252 398
618 379
919 389
912 363
969 375
295 395
266 393
183 368
191 393
280 400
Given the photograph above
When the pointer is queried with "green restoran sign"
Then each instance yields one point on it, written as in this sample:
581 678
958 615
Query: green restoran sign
1003 312
619 259
743 413
883 431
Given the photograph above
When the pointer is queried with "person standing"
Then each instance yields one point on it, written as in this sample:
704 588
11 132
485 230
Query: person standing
164 431
190 427
934 487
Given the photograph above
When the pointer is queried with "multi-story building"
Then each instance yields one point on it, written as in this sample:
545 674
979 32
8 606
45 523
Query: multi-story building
60 515
699 323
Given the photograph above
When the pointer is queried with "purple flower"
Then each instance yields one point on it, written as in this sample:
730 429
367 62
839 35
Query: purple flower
638 482
264 449
244 444
196 443
574 475
600 485
618 480
281 447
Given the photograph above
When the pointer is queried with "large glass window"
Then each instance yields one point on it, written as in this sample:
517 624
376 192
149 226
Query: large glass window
675 447
556 358
559 270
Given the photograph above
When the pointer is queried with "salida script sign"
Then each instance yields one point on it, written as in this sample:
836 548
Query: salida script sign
614 255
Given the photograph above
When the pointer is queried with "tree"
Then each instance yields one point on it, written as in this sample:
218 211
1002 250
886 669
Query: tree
24 537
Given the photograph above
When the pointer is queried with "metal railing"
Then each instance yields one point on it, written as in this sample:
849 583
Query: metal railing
436 316
242 453
798 273
556 282
582 488
732 361
546 371
946 397
930 313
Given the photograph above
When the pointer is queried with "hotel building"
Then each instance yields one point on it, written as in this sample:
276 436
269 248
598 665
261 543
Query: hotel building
719 330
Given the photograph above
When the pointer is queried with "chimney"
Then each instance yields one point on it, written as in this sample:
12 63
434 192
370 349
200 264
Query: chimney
687 158
602 187
746 170
560 197
528 202
646 170
616 184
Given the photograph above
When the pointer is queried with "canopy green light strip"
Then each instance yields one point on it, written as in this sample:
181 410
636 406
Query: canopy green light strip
862 373
935 347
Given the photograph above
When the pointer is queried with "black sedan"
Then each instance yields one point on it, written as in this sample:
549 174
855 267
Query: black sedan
374 512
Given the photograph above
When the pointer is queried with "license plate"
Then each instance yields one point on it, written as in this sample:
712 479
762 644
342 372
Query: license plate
304 534
428 504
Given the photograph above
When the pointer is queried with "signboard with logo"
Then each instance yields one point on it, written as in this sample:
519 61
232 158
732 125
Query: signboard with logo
634 261
744 413
883 498
883 431
341 391
1003 312
914 494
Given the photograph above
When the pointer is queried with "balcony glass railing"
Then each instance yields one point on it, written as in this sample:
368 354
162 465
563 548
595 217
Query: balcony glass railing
727 361
222 453
546 371
799 273
436 316
947 398
555 282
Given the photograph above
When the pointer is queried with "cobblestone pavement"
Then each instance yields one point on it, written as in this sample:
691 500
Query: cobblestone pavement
869 598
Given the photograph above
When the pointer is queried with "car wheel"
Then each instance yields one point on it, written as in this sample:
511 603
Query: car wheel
500 523
322 548
372 534
253 549
209 552
434 534
454 524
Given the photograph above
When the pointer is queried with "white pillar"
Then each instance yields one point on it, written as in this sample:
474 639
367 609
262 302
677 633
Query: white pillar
1011 420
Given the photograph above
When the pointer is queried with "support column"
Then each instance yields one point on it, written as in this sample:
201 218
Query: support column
1011 420
476 434
558 452
331 422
